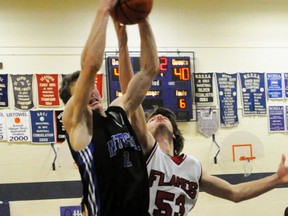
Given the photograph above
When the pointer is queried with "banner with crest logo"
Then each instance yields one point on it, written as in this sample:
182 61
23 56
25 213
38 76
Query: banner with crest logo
227 93
47 85
42 123
253 93
23 91
18 126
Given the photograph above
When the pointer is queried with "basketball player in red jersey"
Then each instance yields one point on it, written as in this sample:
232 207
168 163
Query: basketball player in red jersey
102 142
175 178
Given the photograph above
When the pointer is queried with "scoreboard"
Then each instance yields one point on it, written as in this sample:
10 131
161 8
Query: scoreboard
171 88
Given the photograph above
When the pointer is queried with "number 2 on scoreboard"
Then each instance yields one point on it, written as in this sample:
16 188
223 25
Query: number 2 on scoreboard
163 64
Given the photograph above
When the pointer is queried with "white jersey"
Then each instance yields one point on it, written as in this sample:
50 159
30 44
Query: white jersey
173 182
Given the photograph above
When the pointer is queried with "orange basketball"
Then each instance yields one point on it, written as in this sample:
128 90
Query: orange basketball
130 12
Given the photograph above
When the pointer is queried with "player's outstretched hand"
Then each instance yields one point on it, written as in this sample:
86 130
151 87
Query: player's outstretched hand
282 172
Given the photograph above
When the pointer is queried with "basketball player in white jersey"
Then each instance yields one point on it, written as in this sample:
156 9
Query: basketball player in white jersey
175 178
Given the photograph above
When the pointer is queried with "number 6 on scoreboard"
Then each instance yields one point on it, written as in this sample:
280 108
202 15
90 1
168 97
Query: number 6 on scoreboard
182 103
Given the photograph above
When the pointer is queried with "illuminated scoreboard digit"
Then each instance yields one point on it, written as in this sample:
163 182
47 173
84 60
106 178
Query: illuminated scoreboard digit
171 88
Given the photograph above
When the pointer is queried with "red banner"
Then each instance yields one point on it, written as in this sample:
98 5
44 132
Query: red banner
47 90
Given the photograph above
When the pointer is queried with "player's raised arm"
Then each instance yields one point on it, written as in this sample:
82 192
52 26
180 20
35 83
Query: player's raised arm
77 114
125 67
149 67
137 117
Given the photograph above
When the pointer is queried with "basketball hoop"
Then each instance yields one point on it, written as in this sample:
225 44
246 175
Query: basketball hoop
243 149
248 163
248 159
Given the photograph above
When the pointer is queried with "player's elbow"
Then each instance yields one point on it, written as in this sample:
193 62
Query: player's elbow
236 200
156 66
235 196
153 69
91 63
231 197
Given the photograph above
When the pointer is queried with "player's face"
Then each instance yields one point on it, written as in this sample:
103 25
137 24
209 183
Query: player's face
95 100
157 121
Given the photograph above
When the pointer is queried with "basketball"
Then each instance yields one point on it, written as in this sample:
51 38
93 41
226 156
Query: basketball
130 12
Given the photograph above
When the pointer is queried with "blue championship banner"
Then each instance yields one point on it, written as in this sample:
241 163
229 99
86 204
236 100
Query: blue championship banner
60 130
23 91
286 84
253 93
276 119
286 116
227 92
4 90
274 85
42 122
203 87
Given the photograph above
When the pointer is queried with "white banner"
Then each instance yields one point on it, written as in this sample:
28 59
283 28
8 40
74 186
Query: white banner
18 126
208 122
3 129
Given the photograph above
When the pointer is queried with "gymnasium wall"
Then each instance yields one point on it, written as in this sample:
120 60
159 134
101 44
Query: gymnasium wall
39 36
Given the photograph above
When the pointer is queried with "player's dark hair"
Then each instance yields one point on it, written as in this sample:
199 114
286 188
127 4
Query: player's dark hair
178 141
64 91
286 212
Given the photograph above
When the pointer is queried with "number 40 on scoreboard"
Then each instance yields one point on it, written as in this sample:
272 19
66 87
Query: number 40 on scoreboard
171 88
